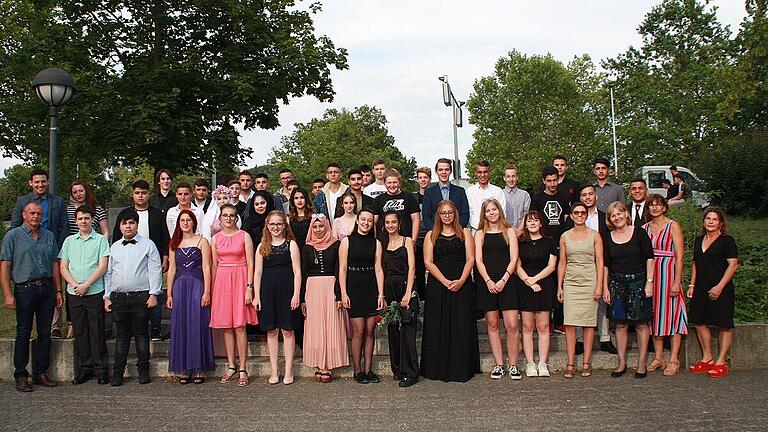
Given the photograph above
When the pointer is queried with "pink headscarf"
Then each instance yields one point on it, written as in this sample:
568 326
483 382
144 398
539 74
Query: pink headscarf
327 240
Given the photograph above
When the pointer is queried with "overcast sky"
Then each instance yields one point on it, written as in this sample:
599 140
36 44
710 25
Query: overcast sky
397 49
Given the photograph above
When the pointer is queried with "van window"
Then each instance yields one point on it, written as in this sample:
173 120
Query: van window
655 178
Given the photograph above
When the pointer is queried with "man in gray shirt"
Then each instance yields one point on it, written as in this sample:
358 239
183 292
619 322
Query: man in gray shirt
607 192
29 258
518 201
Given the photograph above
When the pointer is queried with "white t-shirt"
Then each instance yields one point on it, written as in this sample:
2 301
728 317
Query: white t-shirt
477 195
373 190
143 223
332 197
173 213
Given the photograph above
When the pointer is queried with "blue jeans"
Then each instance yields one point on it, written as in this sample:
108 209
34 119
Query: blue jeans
33 302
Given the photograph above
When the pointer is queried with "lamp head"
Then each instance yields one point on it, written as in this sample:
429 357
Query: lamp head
54 86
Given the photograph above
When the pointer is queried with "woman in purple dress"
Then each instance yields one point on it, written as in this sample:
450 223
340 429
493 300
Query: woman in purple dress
189 299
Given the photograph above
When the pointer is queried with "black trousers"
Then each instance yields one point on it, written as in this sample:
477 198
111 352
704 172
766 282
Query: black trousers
34 303
402 343
420 284
131 314
87 314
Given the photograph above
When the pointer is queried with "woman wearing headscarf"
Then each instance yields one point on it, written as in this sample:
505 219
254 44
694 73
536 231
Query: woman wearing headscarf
256 211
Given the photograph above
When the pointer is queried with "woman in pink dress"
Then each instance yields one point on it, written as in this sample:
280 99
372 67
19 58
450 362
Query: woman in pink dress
231 304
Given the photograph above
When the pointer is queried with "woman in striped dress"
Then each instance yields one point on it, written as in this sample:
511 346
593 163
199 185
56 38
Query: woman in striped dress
669 317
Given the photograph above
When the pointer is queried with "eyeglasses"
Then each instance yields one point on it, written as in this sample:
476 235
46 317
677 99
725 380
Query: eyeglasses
579 213
228 216
446 213
275 224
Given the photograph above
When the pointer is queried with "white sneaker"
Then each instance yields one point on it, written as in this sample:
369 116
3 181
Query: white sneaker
498 372
514 373
530 370
543 369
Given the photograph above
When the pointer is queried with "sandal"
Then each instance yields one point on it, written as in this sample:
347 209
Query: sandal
702 367
288 380
656 364
198 380
672 368
569 371
274 380
587 370
718 370
229 375
242 380
184 380
326 377
318 376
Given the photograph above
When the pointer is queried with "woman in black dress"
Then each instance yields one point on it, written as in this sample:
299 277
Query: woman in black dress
399 272
449 347
361 281
299 213
496 258
629 263
715 260
535 272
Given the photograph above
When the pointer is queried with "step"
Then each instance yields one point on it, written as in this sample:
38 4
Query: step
260 368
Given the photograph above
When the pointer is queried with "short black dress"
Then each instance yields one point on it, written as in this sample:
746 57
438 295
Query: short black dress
534 257
710 268
361 276
496 260
276 291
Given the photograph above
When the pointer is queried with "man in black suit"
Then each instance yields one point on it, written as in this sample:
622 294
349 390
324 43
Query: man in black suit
151 224
638 209
441 190
54 219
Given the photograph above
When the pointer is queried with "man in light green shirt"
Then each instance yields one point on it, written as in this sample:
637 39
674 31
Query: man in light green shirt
84 258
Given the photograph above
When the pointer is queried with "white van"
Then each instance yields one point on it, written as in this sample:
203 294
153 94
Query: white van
654 174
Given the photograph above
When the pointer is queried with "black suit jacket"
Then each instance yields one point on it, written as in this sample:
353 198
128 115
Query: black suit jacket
644 218
433 196
602 227
158 230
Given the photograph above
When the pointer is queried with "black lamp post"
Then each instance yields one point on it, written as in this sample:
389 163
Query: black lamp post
54 87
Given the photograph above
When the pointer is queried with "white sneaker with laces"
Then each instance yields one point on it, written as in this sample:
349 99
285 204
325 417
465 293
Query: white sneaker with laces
543 369
514 373
530 370
498 372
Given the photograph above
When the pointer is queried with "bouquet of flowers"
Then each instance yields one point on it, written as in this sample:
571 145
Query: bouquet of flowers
390 315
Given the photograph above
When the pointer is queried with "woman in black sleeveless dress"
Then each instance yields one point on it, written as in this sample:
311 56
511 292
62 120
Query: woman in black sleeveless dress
361 280
449 347
399 272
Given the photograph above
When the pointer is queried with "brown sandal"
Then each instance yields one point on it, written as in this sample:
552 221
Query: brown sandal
229 375
569 371
587 370
242 380
657 364
672 368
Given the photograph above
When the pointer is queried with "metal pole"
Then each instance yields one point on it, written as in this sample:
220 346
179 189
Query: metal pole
457 172
52 155
615 146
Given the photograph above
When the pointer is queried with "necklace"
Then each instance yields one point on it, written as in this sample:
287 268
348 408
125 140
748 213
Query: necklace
317 256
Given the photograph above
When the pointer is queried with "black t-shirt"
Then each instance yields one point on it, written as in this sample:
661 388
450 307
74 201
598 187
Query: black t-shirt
673 191
568 187
629 257
404 203
553 209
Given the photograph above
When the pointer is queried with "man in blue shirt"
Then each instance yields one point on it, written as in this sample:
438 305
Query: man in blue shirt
131 286
29 259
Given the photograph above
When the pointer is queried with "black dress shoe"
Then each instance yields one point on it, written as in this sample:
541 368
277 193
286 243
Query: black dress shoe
104 379
579 348
372 377
408 381
608 347
144 378
22 385
397 377
361 378
640 375
117 380
44 380
82 379
617 374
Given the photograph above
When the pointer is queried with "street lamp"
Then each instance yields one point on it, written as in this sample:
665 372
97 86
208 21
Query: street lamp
54 87
450 101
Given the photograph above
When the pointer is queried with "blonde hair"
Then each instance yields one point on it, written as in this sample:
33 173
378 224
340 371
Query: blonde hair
615 206
505 225
265 247
438 228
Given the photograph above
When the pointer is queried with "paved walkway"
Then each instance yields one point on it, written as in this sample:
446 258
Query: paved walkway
685 403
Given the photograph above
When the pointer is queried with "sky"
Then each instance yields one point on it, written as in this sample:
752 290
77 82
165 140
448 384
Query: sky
398 49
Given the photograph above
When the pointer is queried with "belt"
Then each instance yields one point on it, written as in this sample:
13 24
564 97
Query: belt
231 265
360 269
46 281
663 253
129 294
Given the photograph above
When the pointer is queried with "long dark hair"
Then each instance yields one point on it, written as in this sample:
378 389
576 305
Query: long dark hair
533 214
309 208
384 234
177 233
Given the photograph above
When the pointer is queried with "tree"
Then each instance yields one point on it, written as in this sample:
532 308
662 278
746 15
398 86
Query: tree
668 91
161 82
350 138
533 108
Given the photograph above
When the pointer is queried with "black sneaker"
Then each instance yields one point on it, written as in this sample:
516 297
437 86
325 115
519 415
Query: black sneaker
361 378
372 377
497 372
514 373
155 336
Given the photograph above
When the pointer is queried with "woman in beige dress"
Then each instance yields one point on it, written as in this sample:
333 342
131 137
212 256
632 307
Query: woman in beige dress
579 285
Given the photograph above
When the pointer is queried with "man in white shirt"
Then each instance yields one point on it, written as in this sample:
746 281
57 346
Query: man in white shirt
246 181
377 187
184 196
638 208
481 191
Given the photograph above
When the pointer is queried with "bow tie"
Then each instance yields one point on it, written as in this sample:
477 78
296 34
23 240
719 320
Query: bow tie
131 241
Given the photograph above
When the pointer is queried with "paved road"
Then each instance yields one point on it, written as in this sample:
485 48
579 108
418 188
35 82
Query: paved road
686 403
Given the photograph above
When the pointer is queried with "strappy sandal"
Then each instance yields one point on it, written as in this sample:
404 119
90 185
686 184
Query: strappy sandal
570 370
718 370
656 364
229 375
326 377
242 381
587 370
318 376
672 368
184 380
702 367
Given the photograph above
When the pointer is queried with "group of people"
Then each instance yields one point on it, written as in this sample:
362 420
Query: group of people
317 267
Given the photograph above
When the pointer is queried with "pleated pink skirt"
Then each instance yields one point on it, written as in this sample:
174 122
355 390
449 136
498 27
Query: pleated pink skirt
325 333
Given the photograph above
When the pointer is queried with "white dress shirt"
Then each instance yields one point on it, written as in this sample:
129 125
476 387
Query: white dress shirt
173 213
476 195
133 267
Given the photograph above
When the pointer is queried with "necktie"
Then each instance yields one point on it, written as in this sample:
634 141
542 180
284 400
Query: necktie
127 242
638 219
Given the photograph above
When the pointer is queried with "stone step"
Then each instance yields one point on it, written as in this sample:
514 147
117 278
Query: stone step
259 368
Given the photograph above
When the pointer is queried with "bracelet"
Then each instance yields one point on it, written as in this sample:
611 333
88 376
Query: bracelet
488 280
507 272
649 281
690 286
381 296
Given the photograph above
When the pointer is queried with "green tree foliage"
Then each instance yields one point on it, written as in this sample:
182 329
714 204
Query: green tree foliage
14 183
668 90
350 138
534 107
161 82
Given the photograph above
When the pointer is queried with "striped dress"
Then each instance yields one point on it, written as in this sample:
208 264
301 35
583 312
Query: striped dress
669 315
